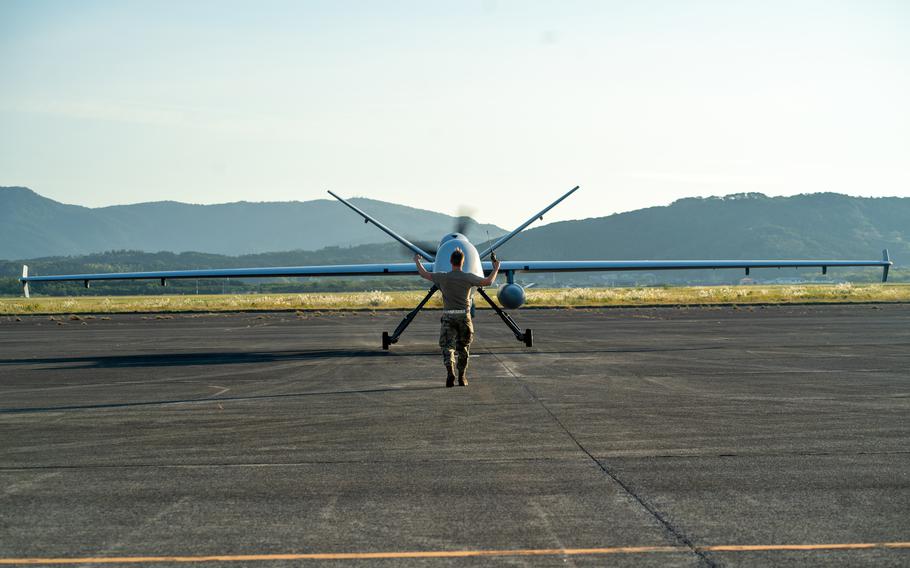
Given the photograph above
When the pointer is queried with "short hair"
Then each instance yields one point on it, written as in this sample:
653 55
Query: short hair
457 257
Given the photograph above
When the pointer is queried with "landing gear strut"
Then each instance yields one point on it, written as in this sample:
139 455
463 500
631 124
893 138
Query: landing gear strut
387 339
525 337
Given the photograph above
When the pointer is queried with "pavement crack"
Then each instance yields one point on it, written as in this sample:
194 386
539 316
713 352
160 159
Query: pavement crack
664 522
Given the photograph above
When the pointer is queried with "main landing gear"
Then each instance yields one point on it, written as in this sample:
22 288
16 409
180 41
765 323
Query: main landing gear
388 340
525 336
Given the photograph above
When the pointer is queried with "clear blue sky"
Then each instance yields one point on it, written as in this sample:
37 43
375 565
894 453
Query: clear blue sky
496 105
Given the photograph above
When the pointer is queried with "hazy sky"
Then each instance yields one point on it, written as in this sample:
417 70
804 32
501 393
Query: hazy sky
496 105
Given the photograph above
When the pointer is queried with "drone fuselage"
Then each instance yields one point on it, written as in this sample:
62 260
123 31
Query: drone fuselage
447 246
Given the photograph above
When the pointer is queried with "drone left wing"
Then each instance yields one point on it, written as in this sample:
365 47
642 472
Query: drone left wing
399 269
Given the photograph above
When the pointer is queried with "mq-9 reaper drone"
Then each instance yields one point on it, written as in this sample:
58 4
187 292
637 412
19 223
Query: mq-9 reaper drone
511 295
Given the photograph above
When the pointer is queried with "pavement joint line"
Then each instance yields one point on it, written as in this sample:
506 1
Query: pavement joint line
175 403
668 526
104 406
283 464
435 460
614 550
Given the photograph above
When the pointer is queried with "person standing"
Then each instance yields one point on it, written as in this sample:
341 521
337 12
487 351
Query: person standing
457 331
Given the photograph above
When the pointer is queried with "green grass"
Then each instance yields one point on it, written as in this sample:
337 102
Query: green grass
704 295
558 297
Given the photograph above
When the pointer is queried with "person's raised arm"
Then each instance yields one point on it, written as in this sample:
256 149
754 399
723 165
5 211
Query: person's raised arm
492 277
421 270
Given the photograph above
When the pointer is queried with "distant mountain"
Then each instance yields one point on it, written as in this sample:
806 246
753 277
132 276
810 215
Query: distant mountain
35 226
820 225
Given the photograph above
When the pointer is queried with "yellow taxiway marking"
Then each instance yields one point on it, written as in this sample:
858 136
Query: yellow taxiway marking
454 553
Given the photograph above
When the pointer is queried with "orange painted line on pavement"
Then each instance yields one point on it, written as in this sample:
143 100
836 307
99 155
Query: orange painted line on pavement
783 547
448 553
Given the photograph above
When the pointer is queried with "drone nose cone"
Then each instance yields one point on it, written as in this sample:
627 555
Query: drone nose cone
448 245
452 237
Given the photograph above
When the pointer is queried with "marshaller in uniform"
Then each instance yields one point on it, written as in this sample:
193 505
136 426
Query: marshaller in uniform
457 330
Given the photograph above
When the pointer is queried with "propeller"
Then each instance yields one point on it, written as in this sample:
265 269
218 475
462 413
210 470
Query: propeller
431 248
463 223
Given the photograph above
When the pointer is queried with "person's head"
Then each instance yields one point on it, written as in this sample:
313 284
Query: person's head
457 258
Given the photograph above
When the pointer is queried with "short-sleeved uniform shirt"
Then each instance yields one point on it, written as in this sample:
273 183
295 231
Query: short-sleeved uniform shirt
457 288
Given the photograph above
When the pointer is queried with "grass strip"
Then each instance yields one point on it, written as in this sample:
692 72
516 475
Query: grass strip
536 297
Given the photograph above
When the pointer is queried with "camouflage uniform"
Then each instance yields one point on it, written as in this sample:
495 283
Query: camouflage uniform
455 340
457 331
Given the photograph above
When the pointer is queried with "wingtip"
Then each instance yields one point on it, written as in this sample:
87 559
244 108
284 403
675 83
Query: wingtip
25 291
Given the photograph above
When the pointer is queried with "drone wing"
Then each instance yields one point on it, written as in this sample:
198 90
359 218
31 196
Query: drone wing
649 265
399 269
511 267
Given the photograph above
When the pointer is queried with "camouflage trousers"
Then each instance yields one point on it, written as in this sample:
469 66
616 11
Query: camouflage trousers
455 339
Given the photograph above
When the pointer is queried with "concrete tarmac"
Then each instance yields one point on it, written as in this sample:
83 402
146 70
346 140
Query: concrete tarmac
653 436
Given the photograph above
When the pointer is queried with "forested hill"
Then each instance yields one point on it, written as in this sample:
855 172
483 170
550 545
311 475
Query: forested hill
821 225
34 226
733 227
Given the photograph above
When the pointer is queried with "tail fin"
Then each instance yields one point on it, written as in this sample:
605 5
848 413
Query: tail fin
887 260
24 280
502 240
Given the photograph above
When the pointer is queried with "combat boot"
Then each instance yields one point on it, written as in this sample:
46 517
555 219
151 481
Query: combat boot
462 380
450 377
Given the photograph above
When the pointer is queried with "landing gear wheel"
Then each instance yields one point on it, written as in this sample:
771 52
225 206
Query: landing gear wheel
528 338
385 340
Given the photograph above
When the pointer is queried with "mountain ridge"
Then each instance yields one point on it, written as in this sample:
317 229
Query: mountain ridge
819 225
752 225
34 226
